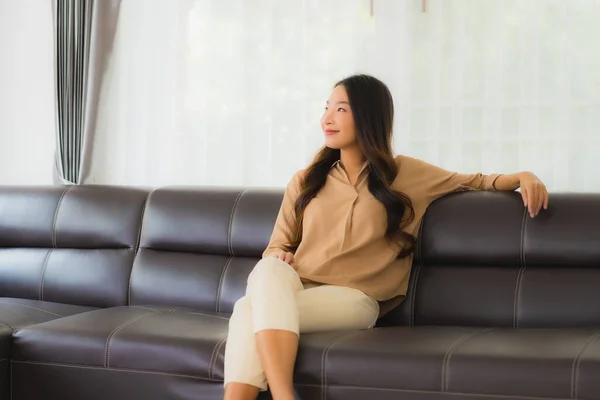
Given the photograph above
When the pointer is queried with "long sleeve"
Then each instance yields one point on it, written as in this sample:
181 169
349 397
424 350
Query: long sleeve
285 225
437 182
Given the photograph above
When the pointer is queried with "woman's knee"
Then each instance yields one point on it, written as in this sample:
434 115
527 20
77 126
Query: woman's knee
242 310
272 270
241 306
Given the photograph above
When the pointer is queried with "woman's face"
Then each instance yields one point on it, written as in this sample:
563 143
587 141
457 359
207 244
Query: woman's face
337 121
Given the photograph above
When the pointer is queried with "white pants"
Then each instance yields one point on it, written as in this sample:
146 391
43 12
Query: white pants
277 299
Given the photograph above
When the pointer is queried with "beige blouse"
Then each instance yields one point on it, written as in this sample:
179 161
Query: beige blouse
343 240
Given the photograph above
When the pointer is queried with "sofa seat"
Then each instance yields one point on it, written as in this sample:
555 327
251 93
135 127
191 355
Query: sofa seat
434 362
160 352
19 313
16 314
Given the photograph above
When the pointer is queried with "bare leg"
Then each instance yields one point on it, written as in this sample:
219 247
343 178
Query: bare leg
240 391
277 350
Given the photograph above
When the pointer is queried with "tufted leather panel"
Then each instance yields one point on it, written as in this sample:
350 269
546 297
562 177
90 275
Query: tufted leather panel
93 217
19 313
71 245
485 262
21 270
27 215
198 246
16 314
454 361
173 342
190 220
465 296
253 221
61 382
473 228
566 235
87 277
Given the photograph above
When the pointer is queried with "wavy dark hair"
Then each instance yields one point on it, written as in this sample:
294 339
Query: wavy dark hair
373 110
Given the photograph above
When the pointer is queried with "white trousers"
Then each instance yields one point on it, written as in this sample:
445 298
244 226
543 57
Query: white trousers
276 299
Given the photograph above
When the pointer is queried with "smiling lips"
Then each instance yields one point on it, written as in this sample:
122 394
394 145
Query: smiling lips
330 132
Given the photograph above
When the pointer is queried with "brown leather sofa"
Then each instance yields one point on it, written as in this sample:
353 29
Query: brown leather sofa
124 293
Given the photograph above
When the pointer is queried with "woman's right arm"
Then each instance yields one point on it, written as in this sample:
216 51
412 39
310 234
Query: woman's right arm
286 225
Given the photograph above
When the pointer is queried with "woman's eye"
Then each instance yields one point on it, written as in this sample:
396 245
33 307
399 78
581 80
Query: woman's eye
341 109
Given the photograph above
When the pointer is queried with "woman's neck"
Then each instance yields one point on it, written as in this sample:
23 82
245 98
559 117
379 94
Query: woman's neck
352 160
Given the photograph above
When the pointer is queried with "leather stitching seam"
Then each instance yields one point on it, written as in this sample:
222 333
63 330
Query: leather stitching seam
136 370
414 295
43 274
324 362
575 369
214 357
137 245
231 218
32 307
220 287
54 241
448 355
117 329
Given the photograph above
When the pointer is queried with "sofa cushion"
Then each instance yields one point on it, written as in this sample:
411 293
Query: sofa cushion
198 246
168 340
16 314
69 244
383 361
501 361
20 313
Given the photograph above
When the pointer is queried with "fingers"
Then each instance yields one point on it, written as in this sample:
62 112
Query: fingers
534 198
532 201
542 198
289 257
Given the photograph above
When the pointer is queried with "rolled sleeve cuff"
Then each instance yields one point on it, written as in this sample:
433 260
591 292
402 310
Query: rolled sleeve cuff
489 181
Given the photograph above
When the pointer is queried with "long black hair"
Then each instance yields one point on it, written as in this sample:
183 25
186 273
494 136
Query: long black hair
373 110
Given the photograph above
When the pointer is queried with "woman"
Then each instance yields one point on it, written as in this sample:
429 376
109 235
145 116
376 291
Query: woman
341 250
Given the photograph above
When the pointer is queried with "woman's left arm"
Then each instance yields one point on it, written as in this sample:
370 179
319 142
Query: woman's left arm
533 191
432 182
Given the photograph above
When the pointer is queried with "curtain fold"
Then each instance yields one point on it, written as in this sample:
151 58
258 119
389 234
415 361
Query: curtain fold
83 36
214 92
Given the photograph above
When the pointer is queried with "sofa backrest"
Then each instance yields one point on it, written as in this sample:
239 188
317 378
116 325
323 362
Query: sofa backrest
71 244
482 261
198 246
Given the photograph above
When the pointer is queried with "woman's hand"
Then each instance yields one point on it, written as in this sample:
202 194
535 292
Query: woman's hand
534 193
285 256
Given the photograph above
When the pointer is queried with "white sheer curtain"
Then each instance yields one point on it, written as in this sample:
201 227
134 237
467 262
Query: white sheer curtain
213 92
26 93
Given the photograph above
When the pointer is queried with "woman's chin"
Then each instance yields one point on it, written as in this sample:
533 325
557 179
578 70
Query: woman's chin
332 144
